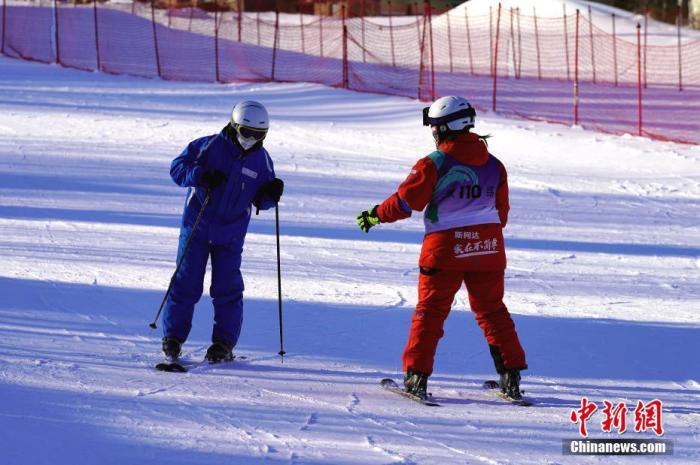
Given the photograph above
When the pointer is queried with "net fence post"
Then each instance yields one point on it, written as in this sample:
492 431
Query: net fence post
469 40
520 44
274 44
421 47
512 41
320 33
646 28
418 34
639 78
301 32
391 35
216 40
614 44
155 37
362 26
590 32
537 45
432 54
240 18
495 57
4 26
56 31
491 38
97 35
566 44
449 39
680 57
257 26
345 50
576 53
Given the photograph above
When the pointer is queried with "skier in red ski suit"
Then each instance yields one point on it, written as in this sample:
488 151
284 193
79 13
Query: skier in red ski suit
464 192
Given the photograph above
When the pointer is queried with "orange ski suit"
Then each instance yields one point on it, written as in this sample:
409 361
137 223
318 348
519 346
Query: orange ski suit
464 190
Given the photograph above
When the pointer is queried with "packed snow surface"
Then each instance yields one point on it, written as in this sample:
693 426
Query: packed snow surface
659 33
603 283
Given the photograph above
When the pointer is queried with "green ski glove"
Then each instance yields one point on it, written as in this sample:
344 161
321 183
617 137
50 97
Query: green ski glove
367 219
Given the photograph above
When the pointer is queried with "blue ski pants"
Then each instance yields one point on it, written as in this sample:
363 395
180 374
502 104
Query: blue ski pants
226 288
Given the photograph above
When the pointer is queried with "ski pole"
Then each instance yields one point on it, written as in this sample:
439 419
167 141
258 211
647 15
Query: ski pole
182 258
279 279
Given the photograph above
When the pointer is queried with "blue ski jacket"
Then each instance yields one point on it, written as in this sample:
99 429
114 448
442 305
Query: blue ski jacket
228 213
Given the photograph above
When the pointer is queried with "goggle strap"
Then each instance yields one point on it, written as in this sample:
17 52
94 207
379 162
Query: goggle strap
465 113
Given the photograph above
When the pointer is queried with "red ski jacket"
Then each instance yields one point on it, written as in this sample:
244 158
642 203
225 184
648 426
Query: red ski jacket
465 190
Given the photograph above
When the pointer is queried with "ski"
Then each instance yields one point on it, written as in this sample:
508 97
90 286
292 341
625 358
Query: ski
492 385
390 385
180 366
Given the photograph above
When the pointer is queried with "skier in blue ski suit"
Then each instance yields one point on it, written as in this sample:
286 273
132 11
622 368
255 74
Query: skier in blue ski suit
237 179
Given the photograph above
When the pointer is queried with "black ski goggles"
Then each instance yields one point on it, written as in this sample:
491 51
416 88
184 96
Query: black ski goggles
428 121
251 133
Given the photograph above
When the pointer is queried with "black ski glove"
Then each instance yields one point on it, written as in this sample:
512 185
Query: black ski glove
213 178
272 189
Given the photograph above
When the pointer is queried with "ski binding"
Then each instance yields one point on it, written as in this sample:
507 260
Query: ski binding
171 365
493 385
390 385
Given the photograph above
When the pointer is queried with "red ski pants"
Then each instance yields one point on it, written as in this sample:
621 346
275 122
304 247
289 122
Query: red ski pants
436 291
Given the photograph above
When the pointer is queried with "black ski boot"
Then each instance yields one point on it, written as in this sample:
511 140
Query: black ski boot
416 383
510 384
171 347
219 351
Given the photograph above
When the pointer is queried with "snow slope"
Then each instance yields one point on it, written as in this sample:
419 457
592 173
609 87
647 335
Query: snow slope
603 282
659 33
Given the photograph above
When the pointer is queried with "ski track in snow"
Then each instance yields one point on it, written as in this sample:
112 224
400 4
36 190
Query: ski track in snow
603 282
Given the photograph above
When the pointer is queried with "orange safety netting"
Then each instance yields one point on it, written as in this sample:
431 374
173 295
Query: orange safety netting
562 70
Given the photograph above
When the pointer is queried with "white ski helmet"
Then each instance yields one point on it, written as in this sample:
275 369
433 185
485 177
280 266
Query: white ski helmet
449 114
250 114
251 122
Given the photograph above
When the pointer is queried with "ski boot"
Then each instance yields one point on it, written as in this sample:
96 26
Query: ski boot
510 384
219 351
416 383
171 347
